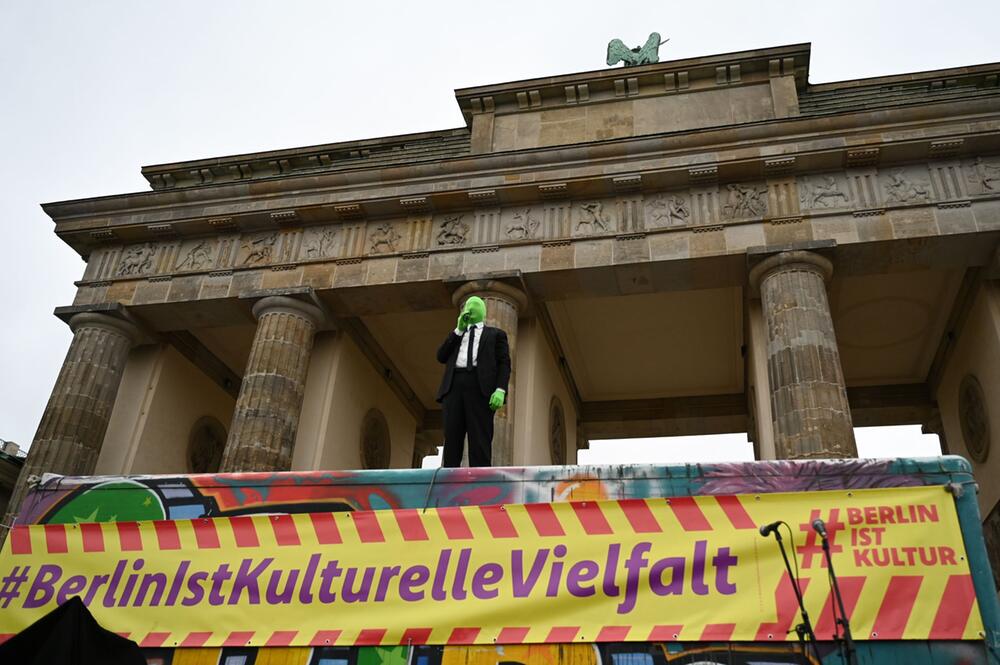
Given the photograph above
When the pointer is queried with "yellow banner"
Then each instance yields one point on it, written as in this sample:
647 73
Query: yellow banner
688 569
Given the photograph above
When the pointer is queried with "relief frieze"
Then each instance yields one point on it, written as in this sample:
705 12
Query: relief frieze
856 191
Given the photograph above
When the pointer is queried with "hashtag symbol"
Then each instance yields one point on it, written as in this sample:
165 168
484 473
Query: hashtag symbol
10 586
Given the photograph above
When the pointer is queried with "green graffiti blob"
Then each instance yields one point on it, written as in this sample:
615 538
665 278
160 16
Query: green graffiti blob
113 501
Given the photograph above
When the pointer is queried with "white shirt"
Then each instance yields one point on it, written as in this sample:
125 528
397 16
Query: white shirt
463 350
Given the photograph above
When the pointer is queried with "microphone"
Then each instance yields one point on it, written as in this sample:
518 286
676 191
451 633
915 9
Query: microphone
767 529
819 527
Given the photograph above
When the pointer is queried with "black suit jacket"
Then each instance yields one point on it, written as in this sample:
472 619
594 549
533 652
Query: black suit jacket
492 363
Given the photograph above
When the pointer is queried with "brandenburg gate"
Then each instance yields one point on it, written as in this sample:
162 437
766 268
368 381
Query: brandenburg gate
686 247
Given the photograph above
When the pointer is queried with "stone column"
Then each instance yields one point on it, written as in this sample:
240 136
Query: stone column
503 305
812 418
266 416
71 432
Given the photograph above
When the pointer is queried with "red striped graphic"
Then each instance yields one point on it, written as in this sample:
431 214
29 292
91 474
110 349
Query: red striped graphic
786 608
238 638
954 609
688 513
129 536
591 518
463 636
369 530
498 522
416 636
195 639
850 589
93 537
455 525
544 518
897 604
281 638
562 634
737 514
325 526
285 531
205 534
370 637
665 633
166 534
55 538
20 540
613 634
5 636
718 632
244 531
512 635
410 524
154 639
325 637
639 515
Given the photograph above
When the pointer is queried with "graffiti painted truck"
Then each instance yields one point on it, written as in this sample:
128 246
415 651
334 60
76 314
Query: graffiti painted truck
616 565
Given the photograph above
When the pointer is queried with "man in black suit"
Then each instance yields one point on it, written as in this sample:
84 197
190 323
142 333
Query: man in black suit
477 370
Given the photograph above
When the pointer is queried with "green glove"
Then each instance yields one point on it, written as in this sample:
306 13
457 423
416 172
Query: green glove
463 322
497 399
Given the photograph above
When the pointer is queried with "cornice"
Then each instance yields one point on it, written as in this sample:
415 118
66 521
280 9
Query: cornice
659 161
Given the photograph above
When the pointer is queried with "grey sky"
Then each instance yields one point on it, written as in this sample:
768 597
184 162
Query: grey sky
93 90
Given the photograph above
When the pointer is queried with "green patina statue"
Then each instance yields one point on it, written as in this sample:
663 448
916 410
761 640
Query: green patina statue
646 54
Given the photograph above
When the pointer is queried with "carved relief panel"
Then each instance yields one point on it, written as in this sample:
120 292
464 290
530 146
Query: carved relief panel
592 218
982 175
199 254
743 201
667 210
905 185
136 260
321 242
257 249
828 191
521 223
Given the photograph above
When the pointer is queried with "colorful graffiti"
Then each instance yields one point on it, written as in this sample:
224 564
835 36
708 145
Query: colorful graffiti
94 499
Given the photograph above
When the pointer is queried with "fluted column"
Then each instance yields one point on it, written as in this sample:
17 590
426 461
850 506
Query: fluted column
266 416
503 306
811 415
71 432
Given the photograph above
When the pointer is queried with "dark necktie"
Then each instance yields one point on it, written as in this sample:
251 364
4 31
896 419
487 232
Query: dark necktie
472 340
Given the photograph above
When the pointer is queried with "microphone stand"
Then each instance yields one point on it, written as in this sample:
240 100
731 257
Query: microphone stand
805 628
842 621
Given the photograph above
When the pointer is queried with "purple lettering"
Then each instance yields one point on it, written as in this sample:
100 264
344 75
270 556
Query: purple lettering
70 588
486 575
608 585
247 578
272 596
410 581
723 561
195 589
175 586
383 582
580 572
634 564
676 565
219 577
437 587
461 571
305 593
148 580
95 584
109 593
351 595
130 583
327 576
523 585
698 568
43 586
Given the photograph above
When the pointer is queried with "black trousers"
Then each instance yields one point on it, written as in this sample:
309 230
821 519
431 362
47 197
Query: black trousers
466 411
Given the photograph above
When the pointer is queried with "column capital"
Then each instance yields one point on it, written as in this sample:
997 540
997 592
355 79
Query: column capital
286 305
108 323
491 286
791 260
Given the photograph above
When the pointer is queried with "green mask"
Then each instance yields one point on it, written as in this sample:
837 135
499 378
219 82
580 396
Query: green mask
475 309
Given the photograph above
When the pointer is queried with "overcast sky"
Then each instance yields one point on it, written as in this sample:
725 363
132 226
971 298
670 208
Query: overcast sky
93 90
